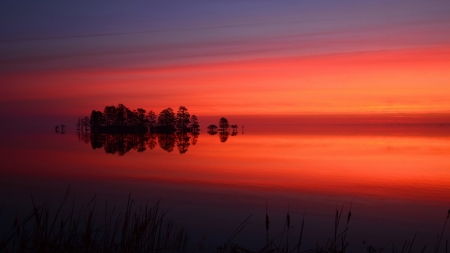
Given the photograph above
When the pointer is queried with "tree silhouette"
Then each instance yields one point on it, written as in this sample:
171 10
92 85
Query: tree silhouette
110 115
121 119
195 127
223 124
142 120
182 119
96 120
166 121
130 119
151 120
121 115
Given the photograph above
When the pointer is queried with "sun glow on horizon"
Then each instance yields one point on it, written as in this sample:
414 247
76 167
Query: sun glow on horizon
395 81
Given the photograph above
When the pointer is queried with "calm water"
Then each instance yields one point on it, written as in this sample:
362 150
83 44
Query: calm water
396 179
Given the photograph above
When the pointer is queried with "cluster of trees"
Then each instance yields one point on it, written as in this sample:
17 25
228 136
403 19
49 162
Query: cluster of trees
62 127
121 119
223 129
119 129
122 142
224 126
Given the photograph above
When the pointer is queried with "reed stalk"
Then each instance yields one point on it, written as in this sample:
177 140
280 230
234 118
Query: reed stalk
442 233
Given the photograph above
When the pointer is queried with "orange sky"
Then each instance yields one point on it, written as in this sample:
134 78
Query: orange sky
392 81
276 59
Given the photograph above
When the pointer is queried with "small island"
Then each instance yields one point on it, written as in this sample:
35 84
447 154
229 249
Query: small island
118 129
223 129
121 119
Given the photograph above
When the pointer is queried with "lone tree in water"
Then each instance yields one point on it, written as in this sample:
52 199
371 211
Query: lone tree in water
223 124
166 120
182 120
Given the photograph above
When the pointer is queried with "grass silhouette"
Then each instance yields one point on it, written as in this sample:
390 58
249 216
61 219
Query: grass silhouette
146 229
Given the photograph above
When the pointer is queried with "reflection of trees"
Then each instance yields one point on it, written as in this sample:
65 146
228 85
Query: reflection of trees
212 132
83 135
183 142
122 143
97 140
223 135
234 130
166 141
212 129
151 142
194 138
118 143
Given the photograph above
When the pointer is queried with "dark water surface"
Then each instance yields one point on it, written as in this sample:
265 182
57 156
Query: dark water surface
396 179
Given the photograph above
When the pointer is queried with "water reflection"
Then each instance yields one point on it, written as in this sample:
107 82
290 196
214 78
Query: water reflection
166 141
382 170
224 136
224 132
123 143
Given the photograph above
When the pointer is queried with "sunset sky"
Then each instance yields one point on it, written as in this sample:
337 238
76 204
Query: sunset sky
225 58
